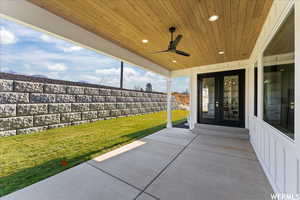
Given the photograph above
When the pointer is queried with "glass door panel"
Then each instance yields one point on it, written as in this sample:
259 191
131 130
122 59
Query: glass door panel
231 98
208 98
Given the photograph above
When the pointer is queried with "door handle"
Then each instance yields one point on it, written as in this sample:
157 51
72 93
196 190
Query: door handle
292 105
217 104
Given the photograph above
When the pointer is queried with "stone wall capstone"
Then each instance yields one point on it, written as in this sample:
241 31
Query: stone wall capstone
29 104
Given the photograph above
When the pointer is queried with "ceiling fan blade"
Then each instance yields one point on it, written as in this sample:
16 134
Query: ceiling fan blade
176 41
182 53
160 51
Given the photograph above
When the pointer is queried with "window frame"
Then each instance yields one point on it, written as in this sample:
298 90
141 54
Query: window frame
261 74
255 96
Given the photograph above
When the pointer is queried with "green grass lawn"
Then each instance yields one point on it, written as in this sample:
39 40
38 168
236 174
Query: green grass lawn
26 159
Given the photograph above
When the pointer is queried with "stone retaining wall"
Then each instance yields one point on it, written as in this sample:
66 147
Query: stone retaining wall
30 106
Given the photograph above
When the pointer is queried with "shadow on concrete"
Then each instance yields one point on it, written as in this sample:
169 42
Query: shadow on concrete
183 124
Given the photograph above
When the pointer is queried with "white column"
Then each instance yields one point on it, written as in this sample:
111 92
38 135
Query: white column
260 88
193 100
247 92
297 76
190 120
169 103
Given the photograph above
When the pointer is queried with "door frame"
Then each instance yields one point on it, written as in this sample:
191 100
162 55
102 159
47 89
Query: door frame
218 81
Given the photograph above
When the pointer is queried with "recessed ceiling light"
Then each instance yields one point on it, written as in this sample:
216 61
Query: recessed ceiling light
221 52
174 61
213 18
145 41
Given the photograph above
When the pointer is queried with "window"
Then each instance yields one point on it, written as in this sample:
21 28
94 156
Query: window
255 88
279 78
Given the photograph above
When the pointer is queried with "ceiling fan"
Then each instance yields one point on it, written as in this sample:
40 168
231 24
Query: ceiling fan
173 44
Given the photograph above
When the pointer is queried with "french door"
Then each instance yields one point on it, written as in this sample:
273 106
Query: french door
221 98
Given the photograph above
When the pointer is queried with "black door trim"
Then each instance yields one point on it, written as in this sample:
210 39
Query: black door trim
219 79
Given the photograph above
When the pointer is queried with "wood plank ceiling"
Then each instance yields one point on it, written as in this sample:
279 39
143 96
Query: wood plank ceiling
128 22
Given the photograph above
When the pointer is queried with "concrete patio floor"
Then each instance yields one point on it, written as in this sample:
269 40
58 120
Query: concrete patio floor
171 164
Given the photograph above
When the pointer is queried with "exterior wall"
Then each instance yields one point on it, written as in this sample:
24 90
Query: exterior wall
192 73
33 104
278 154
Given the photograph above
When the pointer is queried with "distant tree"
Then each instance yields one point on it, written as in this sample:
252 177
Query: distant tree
186 91
12 72
102 81
82 81
148 87
136 87
39 76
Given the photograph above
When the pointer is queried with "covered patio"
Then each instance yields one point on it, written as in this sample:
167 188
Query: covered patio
170 164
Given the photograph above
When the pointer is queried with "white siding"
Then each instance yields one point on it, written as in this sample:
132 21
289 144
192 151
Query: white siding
278 154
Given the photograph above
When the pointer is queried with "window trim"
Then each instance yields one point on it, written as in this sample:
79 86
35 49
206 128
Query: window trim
261 72
255 96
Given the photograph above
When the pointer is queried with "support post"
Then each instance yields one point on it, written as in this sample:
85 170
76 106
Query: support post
190 102
193 100
169 103
297 78
121 76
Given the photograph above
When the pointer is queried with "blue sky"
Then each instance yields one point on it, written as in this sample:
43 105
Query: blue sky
24 50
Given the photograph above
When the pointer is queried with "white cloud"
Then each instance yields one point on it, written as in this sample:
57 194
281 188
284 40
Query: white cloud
130 72
7 37
71 48
57 67
151 74
49 39
90 78
60 44
107 71
20 31
87 65
4 69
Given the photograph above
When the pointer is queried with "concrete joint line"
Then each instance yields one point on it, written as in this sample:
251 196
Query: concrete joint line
119 179
228 155
166 167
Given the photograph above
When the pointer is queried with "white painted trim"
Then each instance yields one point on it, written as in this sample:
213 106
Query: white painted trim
268 175
191 124
42 20
278 23
193 72
278 154
239 64
297 79
260 89
247 90
193 100
279 59
169 103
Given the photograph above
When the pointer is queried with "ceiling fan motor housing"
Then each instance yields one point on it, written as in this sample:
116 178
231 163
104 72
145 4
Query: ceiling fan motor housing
173 44
172 29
